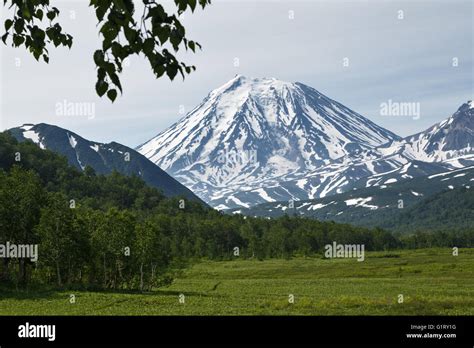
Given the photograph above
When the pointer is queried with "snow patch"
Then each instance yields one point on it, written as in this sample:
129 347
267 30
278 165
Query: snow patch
32 135
361 202
72 141
264 195
390 181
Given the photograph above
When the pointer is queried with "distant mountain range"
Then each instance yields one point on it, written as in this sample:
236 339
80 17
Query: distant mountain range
404 205
253 141
103 158
260 143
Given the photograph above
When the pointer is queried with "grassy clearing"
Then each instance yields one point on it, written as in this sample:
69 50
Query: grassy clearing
432 281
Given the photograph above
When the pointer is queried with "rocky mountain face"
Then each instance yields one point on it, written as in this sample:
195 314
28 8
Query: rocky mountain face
262 140
103 158
256 140
253 141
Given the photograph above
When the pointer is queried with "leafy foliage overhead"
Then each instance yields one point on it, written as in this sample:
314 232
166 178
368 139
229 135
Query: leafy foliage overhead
155 33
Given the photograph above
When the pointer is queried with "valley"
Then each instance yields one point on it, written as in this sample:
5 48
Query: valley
432 282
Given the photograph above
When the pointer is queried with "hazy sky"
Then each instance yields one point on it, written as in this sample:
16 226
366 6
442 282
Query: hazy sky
403 60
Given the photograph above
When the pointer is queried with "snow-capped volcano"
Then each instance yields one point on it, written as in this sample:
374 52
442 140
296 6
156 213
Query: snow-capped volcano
261 140
251 132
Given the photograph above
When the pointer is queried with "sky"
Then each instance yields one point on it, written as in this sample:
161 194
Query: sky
360 53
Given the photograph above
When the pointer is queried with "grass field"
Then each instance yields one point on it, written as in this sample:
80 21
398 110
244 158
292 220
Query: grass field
432 282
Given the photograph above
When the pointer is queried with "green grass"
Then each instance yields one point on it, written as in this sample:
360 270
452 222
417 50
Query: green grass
432 281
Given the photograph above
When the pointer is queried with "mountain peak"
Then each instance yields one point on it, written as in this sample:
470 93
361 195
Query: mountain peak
104 158
263 80
242 89
466 106
463 116
240 77
27 126
252 130
448 139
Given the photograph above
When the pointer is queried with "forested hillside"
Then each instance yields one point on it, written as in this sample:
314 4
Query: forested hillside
438 202
115 231
103 158
444 211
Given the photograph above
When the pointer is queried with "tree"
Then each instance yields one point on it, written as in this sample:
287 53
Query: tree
152 249
113 240
123 34
21 197
62 242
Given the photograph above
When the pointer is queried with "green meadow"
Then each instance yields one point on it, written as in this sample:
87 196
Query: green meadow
431 281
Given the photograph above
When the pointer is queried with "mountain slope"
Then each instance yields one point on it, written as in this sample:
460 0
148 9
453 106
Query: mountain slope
103 158
450 139
394 205
250 135
443 147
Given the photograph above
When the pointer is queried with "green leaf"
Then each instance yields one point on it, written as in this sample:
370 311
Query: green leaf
175 39
120 4
163 33
110 68
148 46
130 34
117 50
19 25
39 14
101 87
18 40
158 14
106 44
26 12
69 41
112 94
130 7
51 15
109 31
192 4
159 70
192 46
37 53
171 71
115 79
8 24
101 10
98 57
51 32
101 74
182 4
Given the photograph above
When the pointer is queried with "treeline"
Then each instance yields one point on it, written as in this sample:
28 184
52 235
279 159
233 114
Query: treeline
452 209
116 232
